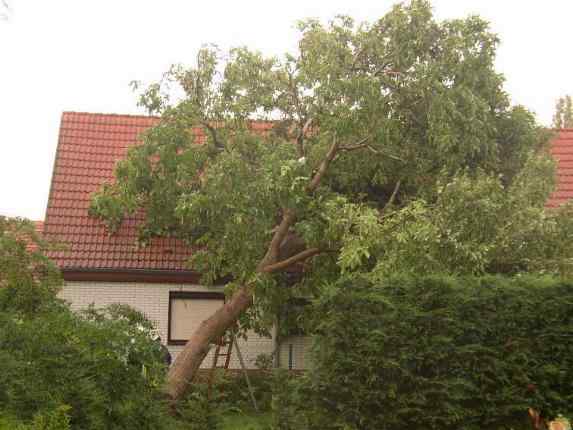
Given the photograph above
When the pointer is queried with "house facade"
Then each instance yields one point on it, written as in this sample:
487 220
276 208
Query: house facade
101 268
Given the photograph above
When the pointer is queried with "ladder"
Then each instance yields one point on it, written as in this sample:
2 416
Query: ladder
228 340
223 349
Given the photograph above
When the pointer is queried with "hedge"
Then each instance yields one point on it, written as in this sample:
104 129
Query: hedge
441 352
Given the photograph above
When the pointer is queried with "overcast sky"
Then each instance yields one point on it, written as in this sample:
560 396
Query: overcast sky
80 55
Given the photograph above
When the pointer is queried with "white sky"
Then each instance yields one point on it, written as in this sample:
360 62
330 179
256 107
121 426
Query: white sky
80 55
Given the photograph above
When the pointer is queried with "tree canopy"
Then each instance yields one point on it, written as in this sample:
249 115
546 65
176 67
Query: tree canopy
376 148
563 117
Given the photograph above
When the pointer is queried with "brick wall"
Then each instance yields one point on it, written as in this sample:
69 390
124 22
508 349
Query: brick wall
153 301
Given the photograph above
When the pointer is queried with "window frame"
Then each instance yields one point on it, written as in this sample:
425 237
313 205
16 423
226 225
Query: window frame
188 295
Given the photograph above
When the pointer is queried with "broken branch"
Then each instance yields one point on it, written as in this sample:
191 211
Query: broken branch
301 256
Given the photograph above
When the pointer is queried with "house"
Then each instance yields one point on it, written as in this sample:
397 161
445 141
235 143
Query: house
103 268
100 268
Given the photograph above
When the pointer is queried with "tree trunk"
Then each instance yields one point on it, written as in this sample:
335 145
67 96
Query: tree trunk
188 361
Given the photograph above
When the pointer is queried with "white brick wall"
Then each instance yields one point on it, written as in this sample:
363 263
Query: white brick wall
153 301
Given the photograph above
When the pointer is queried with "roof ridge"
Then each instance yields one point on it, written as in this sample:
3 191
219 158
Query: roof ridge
124 115
141 116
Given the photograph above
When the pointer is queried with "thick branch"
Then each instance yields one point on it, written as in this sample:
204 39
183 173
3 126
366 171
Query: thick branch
315 182
301 136
300 113
281 231
270 260
301 256
358 145
392 156
213 133
361 144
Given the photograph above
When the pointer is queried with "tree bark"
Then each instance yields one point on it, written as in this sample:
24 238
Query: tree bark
188 361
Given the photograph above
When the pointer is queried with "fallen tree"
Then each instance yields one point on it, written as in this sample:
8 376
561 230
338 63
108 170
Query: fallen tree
345 157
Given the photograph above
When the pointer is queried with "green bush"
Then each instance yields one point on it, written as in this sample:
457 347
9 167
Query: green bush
441 353
229 402
58 369
289 410
197 411
105 368
57 419
232 392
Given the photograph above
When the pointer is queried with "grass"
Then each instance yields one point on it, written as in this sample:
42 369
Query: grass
251 421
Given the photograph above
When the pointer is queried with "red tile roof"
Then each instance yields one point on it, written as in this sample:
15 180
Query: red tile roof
88 147
562 150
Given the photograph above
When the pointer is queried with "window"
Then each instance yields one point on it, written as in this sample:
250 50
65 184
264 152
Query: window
187 310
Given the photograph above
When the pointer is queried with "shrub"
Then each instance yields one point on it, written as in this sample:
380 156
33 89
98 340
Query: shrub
98 370
57 419
229 398
441 353
103 367
289 401
197 411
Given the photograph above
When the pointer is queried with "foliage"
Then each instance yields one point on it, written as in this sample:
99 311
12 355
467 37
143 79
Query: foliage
99 370
105 369
252 421
230 404
475 225
197 411
390 145
57 419
28 279
288 406
233 391
563 117
440 352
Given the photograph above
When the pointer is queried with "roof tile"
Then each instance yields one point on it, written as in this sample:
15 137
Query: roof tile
562 150
89 146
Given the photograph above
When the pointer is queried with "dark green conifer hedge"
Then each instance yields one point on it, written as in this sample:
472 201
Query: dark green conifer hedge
441 353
